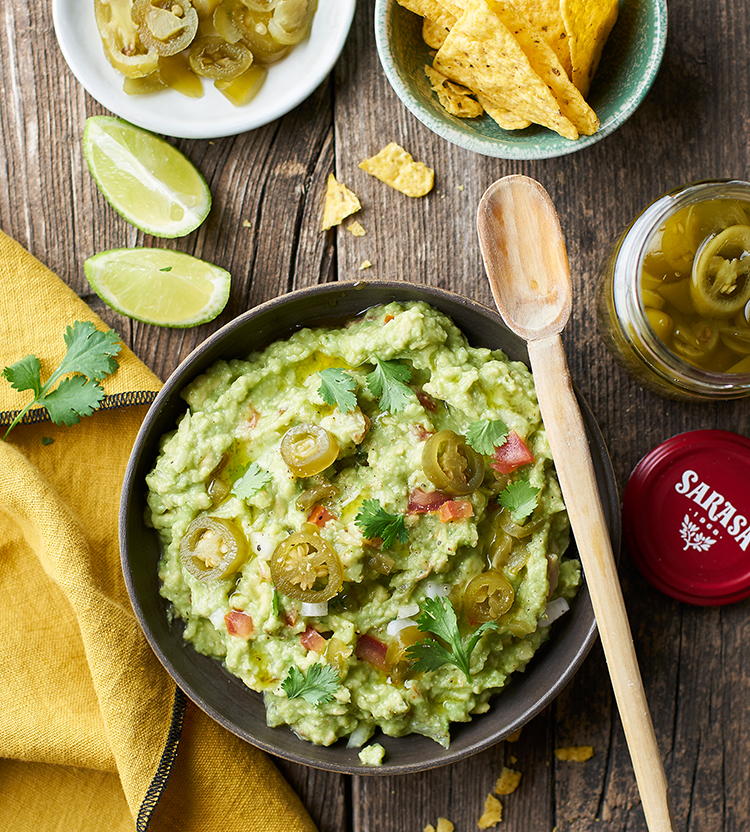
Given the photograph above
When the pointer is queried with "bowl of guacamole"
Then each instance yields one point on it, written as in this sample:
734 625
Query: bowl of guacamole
343 535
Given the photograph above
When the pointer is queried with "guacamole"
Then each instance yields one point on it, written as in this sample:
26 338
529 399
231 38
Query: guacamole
318 498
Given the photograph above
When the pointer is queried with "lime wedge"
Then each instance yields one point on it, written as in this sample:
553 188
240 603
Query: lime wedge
159 286
146 180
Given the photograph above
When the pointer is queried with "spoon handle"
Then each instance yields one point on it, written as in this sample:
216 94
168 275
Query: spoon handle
567 439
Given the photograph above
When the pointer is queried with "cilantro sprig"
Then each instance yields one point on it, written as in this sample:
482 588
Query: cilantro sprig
316 687
90 358
253 480
439 618
376 522
486 435
337 388
520 498
388 382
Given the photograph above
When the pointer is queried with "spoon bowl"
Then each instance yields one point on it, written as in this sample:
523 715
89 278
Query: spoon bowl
518 208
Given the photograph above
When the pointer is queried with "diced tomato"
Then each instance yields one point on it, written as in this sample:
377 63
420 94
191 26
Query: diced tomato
319 516
290 616
421 433
372 650
388 318
426 400
513 454
239 624
456 510
425 502
313 640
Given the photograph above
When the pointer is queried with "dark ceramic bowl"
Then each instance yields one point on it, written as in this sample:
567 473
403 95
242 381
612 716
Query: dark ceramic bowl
223 696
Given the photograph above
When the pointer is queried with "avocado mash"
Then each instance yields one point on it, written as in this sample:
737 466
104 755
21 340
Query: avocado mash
317 498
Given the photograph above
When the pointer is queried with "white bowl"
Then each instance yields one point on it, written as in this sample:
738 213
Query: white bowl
289 82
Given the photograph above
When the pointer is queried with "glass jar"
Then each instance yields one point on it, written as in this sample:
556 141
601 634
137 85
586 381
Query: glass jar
623 317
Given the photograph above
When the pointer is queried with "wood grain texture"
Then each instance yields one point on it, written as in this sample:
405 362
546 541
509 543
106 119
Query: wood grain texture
264 227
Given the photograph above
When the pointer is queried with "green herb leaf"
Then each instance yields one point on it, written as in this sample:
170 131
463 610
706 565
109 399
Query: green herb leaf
275 603
25 374
486 435
337 389
520 498
90 352
388 382
73 398
90 357
375 521
47 440
317 687
253 480
439 618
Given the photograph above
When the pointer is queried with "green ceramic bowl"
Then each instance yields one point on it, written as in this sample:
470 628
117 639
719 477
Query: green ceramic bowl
627 69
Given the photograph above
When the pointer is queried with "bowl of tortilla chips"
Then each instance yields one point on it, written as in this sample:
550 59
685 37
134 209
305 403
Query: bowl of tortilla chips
521 79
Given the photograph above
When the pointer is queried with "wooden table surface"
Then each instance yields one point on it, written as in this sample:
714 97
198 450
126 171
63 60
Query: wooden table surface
268 186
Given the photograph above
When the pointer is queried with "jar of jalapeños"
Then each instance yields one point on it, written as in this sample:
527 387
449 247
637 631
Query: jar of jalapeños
673 300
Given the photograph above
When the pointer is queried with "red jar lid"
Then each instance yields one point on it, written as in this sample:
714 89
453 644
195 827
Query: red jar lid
686 517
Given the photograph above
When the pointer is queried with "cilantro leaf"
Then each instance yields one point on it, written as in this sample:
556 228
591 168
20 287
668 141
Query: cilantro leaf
388 382
317 687
375 521
73 398
90 351
253 480
486 435
337 389
439 618
89 358
25 374
520 498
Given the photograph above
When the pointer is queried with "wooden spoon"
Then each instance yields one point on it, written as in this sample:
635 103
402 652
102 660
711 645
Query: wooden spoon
524 254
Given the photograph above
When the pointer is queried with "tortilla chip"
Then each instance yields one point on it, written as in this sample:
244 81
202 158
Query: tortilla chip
340 203
545 15
576 753
442 12
356 228
454 98
434 34
481 53
506 120
508 781
546 65
493 813
394 166
588 24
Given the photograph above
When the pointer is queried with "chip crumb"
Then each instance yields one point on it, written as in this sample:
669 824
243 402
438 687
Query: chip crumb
460 187
356 228
514 737
508 781
493 813
443 825
397 168
340 203
366 264
576 753
247 224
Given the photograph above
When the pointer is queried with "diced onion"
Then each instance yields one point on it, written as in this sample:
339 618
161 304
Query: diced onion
553 611
263 545
217 619
408 611
359 735
399 624
314 610
436 590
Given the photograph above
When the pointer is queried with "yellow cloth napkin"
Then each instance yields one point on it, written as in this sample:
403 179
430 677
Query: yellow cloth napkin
94 735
